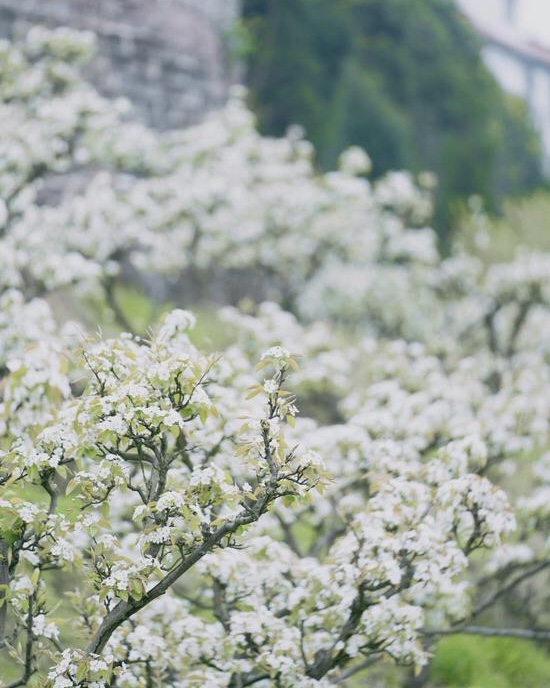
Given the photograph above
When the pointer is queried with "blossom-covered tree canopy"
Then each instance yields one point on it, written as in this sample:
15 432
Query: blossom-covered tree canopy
363 468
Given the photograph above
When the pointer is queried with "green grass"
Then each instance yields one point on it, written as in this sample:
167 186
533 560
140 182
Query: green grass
474 662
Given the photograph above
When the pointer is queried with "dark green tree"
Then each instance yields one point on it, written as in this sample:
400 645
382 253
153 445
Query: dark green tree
403 79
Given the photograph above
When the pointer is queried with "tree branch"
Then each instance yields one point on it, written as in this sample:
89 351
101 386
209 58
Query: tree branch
125 610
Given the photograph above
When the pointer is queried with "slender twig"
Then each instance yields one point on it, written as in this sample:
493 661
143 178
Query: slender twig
110 298
4 581
28 668
358 668
508 587
528 634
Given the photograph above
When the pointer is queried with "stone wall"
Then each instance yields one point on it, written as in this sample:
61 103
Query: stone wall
168 56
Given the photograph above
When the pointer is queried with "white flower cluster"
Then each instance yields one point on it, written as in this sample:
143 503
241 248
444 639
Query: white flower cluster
220 537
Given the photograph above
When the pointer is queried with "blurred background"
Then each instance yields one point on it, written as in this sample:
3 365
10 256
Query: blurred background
460 88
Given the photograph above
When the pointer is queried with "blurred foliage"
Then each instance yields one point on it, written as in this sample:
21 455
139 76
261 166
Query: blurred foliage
473 662
143 313
524 224
404 80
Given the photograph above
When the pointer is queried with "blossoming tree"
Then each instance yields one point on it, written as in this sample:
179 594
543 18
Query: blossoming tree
167 518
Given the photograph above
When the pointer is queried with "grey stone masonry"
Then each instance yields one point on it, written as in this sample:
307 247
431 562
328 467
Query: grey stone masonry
169 57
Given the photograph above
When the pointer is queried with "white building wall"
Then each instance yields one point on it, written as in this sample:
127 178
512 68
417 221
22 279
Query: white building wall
509 72
484 11
524 23
533 19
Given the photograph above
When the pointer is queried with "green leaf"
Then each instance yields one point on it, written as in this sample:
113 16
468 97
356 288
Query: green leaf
254 391
203 414
82 671
137 589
